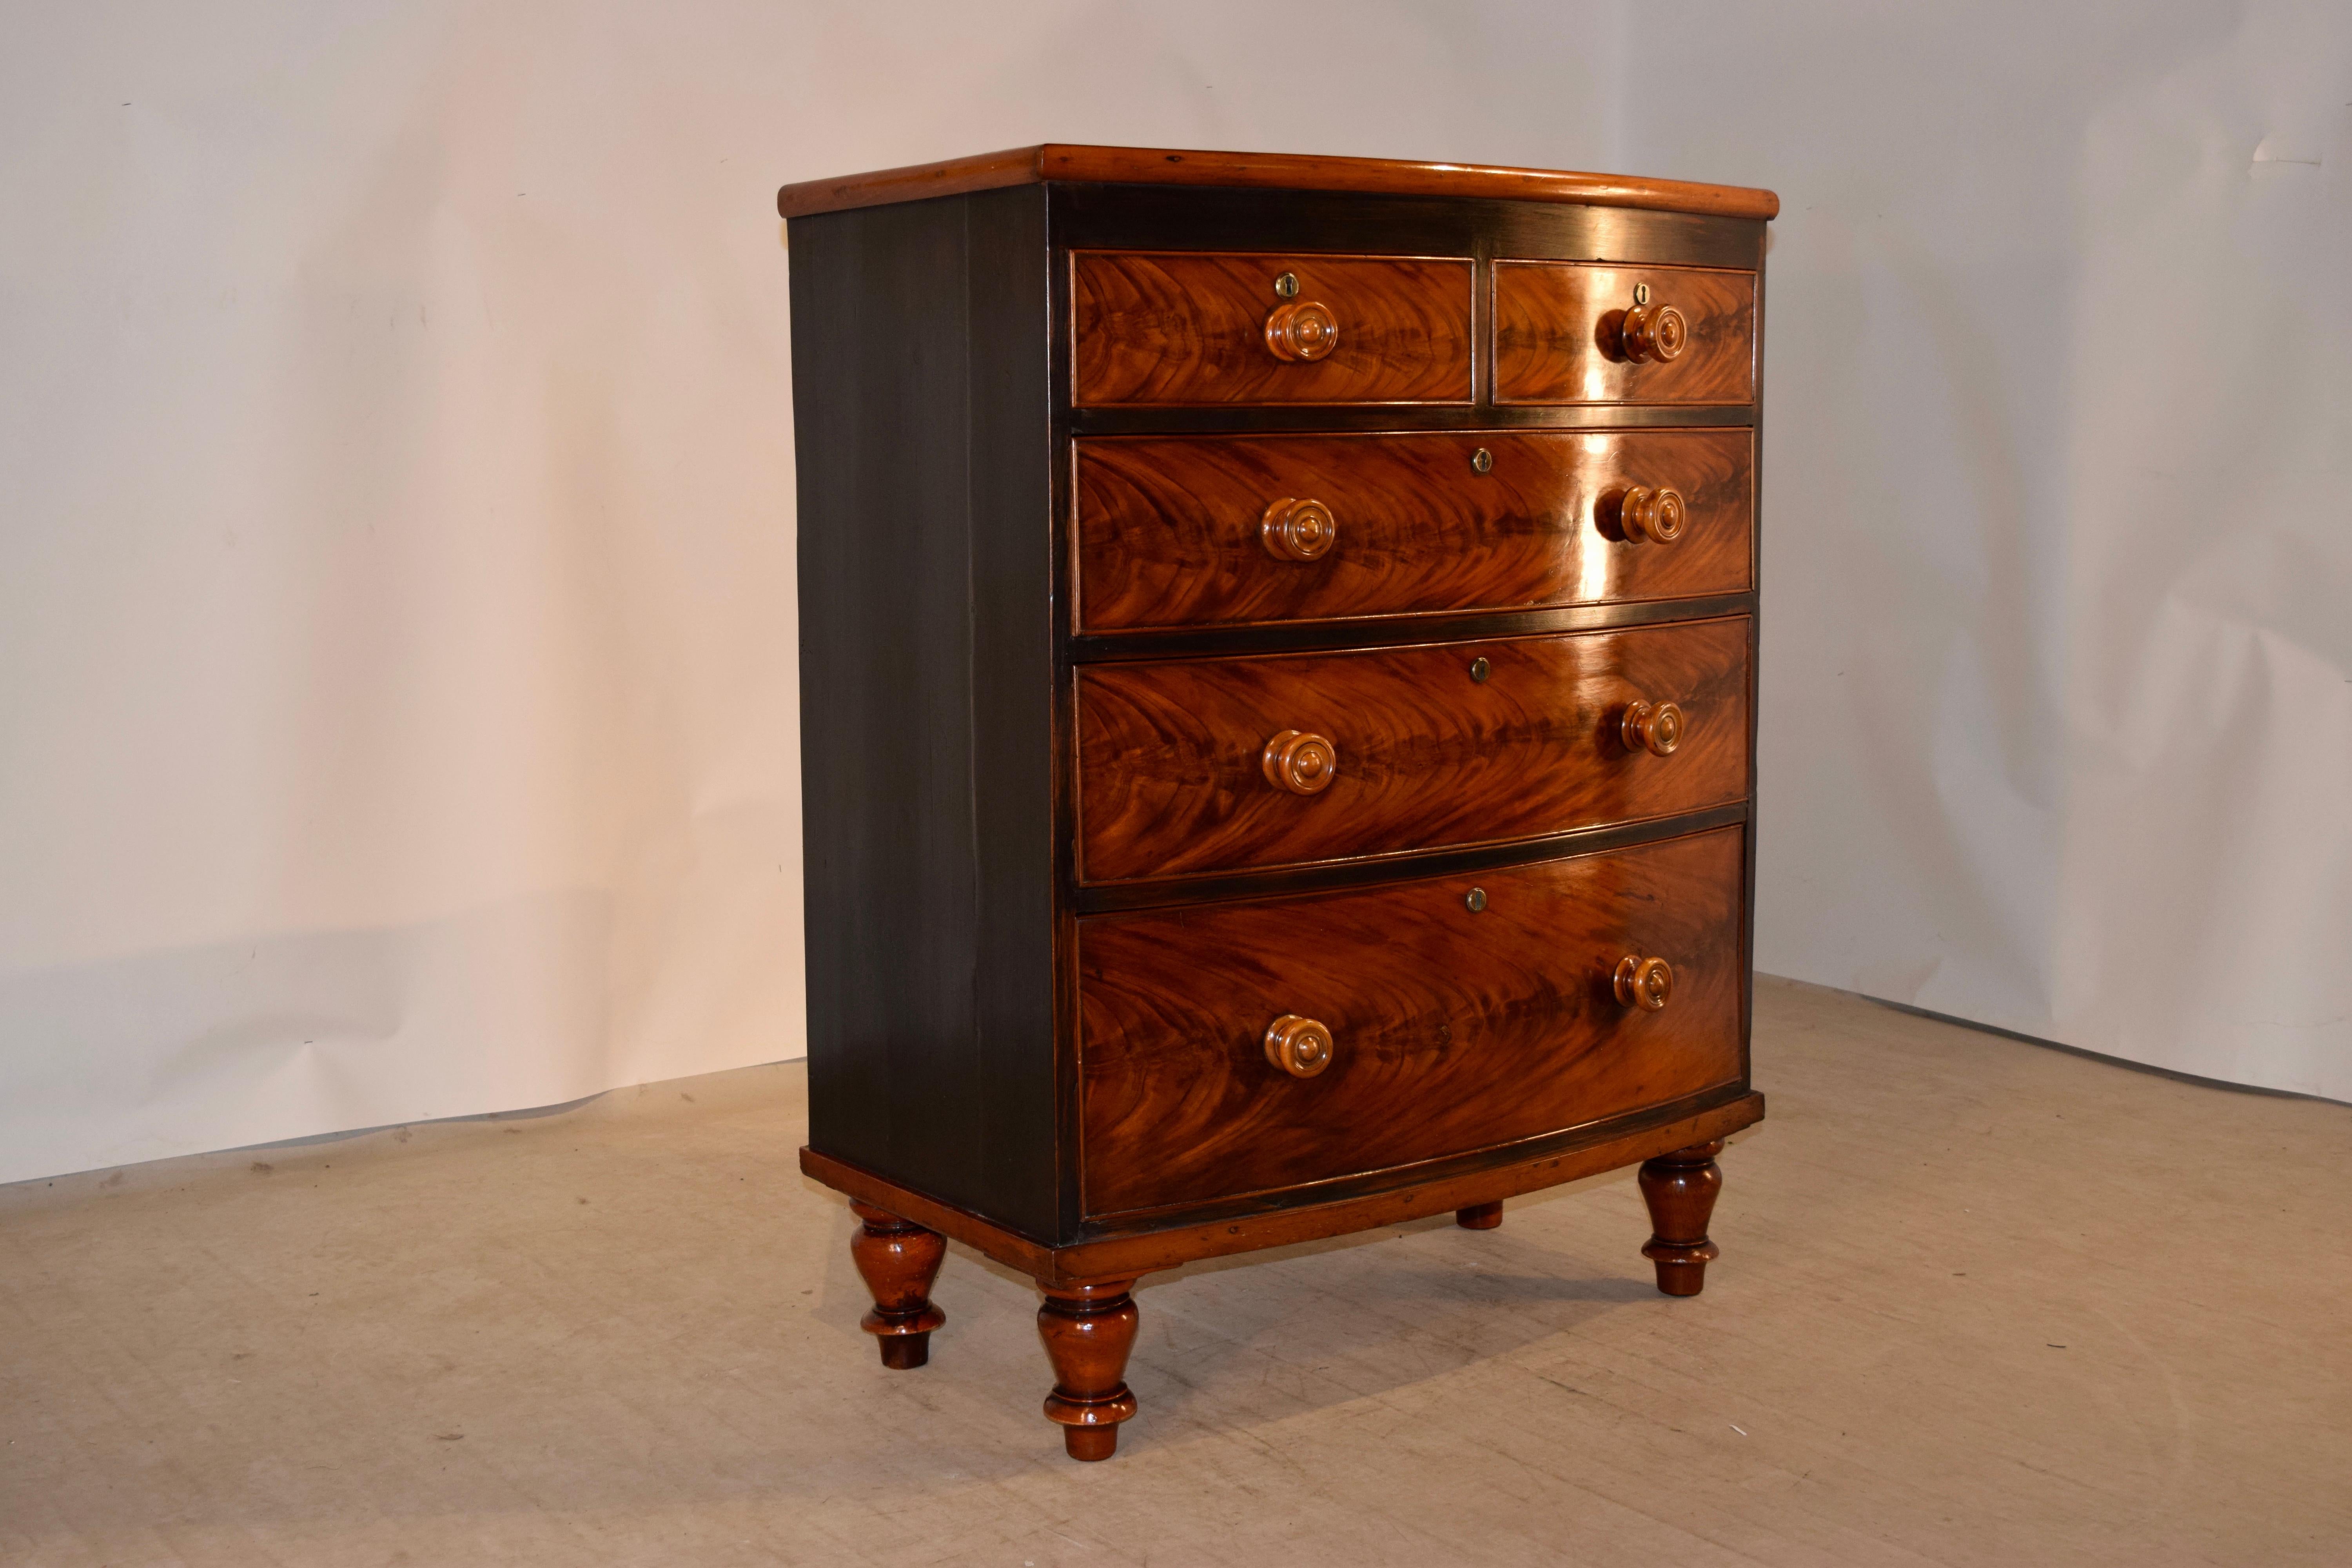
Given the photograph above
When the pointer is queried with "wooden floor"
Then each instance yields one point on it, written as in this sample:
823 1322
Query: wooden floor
1980 1302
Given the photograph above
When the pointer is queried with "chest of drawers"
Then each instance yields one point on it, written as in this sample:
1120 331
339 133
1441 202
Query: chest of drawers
1277 667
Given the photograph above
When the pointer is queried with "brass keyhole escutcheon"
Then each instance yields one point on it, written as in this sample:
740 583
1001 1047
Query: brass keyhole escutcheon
1286 286
1476 900
1480 670
1641 293
1483 460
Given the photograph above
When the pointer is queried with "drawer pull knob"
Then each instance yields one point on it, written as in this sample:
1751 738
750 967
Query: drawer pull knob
1644 983
1654 332
1300 763
1653 726
1301 1046
1298 529
1302 330
1652 514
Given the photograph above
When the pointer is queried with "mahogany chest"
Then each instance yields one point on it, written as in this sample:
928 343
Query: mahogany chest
1277 672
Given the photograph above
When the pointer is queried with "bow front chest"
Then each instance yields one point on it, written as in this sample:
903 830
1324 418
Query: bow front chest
1277 677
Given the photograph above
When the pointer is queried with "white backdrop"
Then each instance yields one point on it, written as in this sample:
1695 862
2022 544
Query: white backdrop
396 641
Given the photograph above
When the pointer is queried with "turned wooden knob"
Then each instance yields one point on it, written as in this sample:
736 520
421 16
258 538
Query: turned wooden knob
1302 330
1299 1047
1654 332
1646 983
1653 514
1300 763
1298 529
1653 726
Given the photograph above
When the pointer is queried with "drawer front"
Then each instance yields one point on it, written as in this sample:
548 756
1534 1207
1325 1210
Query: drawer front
1175 780
1194 531
1195 327
1559 334
1451 1031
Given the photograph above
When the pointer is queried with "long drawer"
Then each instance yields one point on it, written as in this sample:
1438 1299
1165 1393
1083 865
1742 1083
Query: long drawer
1221 530
1451 1027
1188 766
1173 328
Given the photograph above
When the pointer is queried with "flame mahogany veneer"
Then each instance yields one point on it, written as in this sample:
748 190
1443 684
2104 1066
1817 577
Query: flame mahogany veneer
1452 1030
1165 328
1278 661
1557 329
1169 782
1168 529
1280 170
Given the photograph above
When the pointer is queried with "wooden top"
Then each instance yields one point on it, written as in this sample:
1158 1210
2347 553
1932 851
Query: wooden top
1280 170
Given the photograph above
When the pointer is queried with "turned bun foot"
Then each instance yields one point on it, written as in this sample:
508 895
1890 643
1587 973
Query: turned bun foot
1088 1331
1680 1189
899 1259
1479 1216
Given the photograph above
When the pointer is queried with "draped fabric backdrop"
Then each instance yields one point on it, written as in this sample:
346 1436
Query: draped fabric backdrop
397 689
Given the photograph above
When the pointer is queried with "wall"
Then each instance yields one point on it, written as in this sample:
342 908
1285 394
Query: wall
396 633
396 646
2057 692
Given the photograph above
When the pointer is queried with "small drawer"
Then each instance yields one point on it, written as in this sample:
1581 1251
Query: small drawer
1225 530
1175 328
1188 766
1416 1026
1572 333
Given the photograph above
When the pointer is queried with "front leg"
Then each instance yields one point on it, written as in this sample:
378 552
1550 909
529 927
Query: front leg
1681 1190
1088 1330
899 1259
